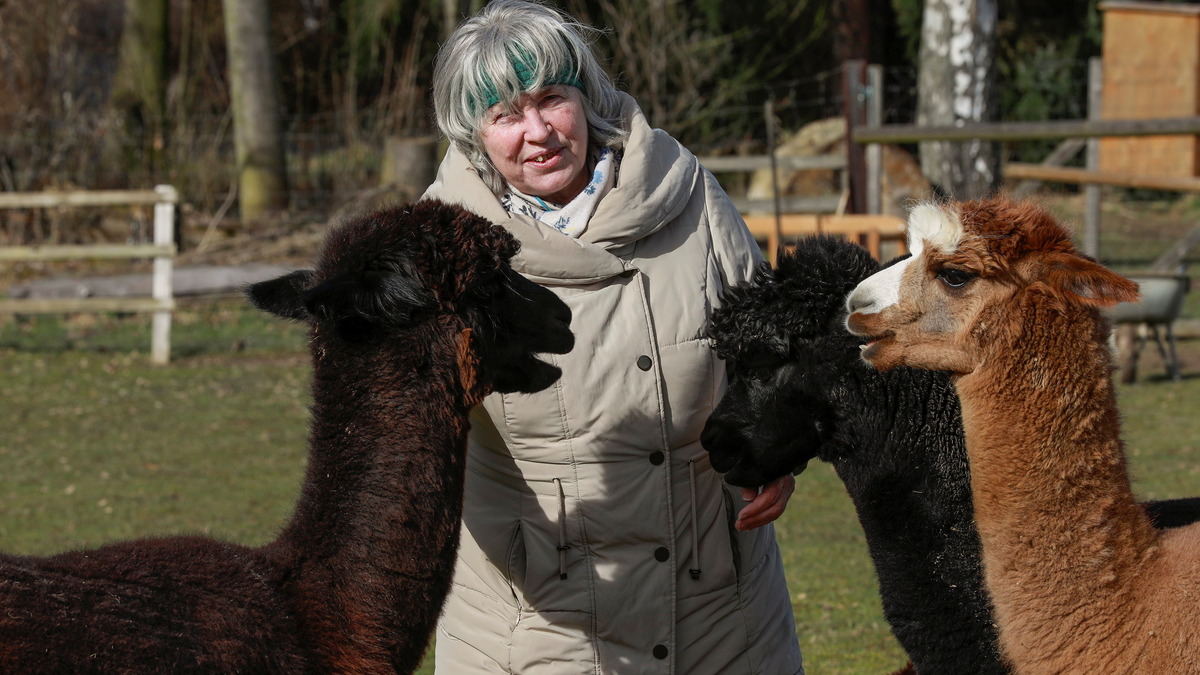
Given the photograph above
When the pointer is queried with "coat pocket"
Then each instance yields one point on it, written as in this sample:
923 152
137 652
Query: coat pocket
550 557
516 561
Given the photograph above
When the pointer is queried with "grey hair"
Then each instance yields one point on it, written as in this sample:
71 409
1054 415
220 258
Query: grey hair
480 61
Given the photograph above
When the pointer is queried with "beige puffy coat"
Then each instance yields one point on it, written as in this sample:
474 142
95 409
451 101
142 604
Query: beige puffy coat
589 504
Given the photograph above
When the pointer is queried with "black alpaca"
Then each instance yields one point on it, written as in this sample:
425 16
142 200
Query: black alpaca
798 390
415 316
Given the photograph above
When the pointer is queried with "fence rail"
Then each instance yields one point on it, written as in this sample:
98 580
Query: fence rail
1026 131
163 250
771 230
1093 128
70 198
96 252
1057 174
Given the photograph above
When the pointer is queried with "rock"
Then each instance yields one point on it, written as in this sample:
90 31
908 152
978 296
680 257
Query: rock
902 180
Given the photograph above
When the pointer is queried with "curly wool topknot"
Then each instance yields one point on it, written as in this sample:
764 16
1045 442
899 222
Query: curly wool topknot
794 301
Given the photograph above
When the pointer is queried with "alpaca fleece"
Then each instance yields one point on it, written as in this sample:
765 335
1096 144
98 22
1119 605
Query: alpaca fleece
799 390
415 316
1080 579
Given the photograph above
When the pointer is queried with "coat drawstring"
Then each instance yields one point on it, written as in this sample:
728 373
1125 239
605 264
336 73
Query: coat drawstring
694 571
562 530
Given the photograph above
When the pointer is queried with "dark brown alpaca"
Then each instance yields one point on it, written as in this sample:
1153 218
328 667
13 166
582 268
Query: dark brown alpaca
415 317
1080 579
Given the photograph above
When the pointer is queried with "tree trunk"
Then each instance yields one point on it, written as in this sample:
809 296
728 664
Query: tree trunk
409 163
254 97
955 86
138 97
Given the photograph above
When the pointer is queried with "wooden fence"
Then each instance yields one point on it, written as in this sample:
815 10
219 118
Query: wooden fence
1074 131
163 250
872 232
788 217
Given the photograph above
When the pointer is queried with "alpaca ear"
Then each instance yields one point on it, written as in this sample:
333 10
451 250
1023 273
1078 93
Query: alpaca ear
282 296
1086 281
363 301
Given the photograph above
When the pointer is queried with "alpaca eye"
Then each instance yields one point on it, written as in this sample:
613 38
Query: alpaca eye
954 278
763 374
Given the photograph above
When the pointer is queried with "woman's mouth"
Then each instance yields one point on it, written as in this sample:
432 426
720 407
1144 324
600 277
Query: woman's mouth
544 157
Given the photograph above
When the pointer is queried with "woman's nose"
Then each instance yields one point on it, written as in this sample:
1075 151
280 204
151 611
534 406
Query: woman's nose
536 126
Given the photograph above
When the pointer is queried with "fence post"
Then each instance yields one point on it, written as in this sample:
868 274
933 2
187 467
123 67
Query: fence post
853 87
773 243
1091 192
164 234
874 154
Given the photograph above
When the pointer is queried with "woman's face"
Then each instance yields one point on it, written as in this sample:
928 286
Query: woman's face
541 146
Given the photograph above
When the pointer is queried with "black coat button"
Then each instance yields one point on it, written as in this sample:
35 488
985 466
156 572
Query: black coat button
657 457
644 362
661 554
660 651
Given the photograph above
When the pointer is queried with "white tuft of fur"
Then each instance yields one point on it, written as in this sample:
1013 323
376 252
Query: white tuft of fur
930 226
933 226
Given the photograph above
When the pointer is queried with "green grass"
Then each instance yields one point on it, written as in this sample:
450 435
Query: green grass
98 445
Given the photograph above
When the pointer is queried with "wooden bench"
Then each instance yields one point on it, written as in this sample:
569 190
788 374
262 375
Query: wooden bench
869 231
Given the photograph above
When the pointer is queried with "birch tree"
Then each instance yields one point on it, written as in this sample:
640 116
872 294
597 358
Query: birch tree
254 99
955 87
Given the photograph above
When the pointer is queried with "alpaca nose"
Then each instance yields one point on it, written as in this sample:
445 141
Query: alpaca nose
855 301
878 291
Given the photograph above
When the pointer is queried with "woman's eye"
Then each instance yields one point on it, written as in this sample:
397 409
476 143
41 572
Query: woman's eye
954 278
498 115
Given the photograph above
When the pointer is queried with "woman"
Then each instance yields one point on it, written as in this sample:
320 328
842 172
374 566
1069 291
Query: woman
596 536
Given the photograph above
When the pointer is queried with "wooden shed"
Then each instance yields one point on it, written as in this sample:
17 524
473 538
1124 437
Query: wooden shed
1151 67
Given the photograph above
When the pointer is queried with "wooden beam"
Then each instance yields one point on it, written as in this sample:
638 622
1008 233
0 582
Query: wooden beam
95 252
1067 175
756 162
1063 152
867 230
84 305
1172 258
819 204
1022 131
43 200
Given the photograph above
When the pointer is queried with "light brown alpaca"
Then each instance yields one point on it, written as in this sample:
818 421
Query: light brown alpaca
1081 581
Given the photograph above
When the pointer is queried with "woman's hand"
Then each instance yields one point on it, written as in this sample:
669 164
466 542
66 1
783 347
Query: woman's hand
766 504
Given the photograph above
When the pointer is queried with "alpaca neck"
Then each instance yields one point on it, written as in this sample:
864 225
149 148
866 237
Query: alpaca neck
385 457
384 452
1053 502
918 520
371 546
